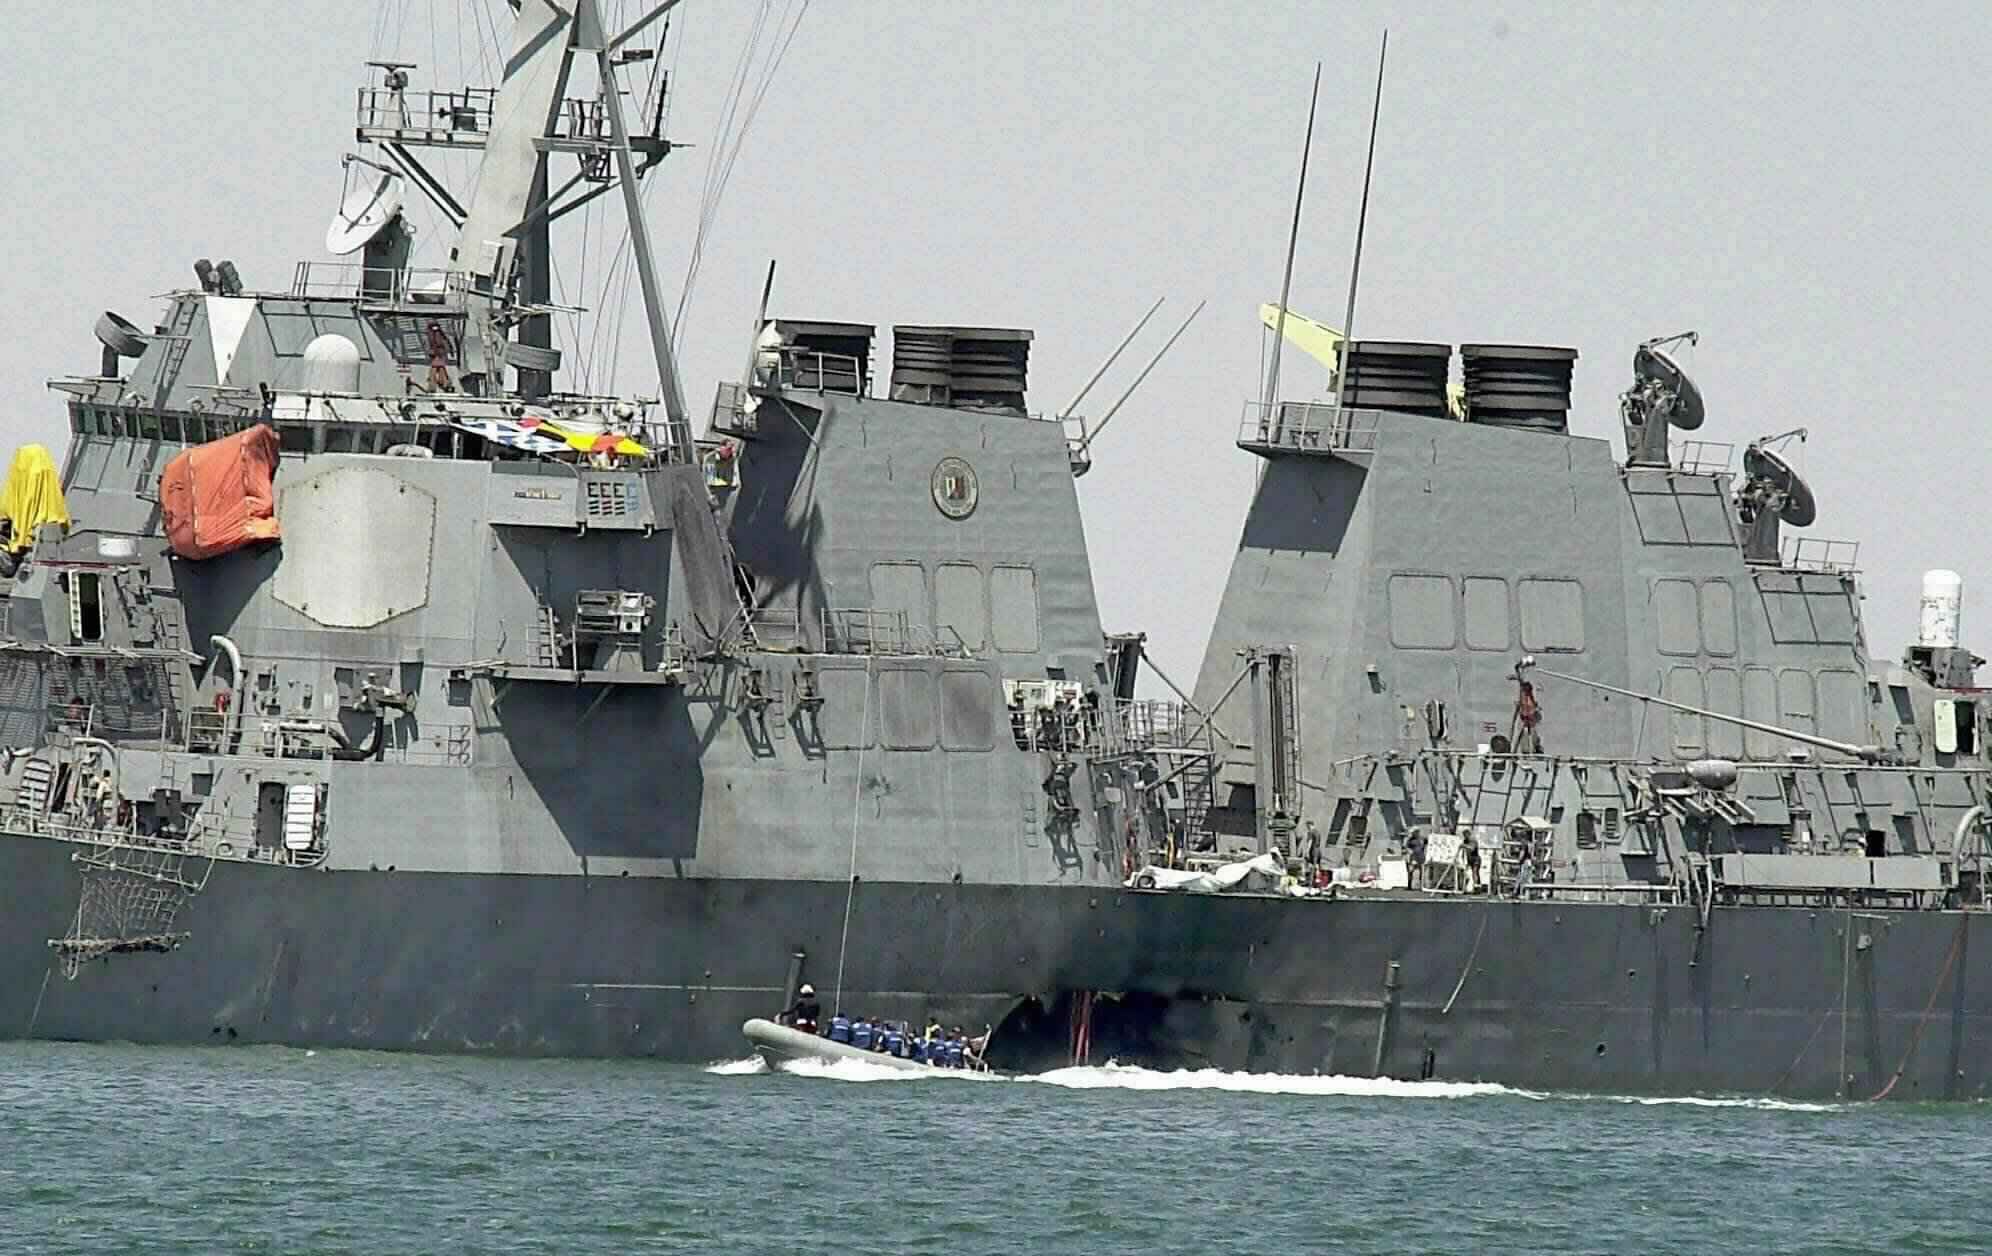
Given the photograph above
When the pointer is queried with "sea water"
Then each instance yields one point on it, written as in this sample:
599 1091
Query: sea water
142 1150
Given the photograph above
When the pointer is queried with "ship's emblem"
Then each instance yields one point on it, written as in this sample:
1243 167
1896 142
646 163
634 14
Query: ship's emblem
954 488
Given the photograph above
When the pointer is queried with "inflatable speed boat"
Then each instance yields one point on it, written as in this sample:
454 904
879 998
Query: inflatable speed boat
778 1044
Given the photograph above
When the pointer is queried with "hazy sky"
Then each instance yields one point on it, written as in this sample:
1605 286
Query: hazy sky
1804 185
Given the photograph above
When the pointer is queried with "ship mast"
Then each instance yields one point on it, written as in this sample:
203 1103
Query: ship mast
499 269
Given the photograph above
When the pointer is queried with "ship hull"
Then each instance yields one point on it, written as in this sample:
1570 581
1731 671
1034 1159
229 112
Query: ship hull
1586 996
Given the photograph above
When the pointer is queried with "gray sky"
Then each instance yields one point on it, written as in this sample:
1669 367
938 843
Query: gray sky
1803 185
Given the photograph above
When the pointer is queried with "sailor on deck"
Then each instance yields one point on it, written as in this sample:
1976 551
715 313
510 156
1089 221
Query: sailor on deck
840 1028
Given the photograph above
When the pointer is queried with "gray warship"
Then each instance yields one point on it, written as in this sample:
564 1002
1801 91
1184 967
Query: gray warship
364 686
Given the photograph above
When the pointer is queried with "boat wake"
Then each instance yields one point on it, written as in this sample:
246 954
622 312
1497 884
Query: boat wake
1114 1076
1760 1103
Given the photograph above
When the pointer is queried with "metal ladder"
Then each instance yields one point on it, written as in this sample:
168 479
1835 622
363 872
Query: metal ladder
37 779
546 637
173 636
177 340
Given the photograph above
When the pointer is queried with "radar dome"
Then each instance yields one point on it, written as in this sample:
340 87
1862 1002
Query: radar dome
331 365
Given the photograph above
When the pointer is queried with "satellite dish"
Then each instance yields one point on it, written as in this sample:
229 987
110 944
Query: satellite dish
367 210
1800 507
1659 366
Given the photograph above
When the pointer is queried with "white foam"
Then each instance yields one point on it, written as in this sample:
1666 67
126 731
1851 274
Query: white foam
1113 1076
1703 1101
851 1070
1116 1076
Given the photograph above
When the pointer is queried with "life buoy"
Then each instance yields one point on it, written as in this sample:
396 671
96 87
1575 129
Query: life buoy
1146 881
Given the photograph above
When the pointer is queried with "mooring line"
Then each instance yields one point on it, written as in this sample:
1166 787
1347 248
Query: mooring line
1957 945
1470 956
35 1015
857 805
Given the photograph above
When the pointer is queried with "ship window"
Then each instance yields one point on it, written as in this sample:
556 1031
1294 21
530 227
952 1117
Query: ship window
1718 617
1684 685
960 606
1842 705
901 589
845 720
1486 613
906 708
1421 613
968 712
1795 699
1760 703
1956 729
1725 694
1587 830
1674 615
1552 615
1013 609
86 603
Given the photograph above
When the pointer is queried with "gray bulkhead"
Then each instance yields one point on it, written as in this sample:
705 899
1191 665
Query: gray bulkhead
1412 576
444 577
910 757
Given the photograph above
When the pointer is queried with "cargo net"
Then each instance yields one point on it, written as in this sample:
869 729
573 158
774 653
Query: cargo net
130 899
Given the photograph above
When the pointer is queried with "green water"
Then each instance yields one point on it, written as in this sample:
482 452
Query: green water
124 1149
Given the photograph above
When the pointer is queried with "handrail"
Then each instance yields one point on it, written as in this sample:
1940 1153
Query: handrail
1309 425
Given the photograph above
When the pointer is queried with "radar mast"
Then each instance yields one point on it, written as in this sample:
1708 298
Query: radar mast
498 269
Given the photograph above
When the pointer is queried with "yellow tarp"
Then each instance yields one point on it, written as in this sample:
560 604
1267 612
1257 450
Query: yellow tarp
588 442
32 496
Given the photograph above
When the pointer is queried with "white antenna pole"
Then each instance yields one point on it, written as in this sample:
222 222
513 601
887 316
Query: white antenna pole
1159 354
639 239
1293 242
1362 219
1111 357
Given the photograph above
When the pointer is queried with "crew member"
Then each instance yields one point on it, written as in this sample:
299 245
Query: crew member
440 353
975 1048
861 1034
1414 857
807 1010
1470 851
840 1028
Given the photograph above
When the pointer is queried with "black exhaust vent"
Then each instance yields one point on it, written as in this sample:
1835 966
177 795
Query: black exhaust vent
1519 386
968 368
1396 375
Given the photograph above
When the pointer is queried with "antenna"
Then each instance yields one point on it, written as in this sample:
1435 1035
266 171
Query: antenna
1662 396
1072 405
760 321
1293 241
366 210
1362 220
1772 493
1159 354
